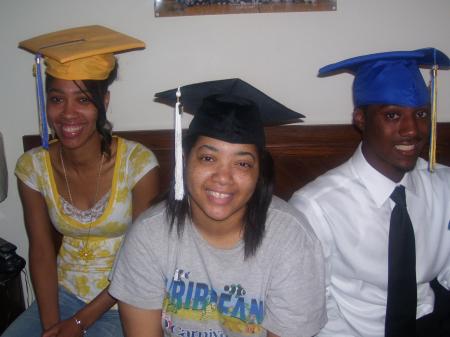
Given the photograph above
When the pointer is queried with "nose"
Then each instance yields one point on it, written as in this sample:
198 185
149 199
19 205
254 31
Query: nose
69 110
222 174
409 125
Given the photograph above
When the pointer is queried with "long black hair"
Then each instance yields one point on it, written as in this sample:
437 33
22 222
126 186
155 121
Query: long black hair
257 207
96 91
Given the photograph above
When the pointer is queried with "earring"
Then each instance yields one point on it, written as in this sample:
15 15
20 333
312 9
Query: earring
52 133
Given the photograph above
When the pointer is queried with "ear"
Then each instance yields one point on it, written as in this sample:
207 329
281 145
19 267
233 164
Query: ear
106 100
359 119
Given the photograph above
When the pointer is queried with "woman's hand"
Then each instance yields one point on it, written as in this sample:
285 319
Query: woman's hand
65 328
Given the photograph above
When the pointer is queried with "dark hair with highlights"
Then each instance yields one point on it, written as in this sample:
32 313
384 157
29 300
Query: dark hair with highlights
96 91
257 207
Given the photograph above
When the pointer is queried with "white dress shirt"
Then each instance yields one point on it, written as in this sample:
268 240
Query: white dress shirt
350 209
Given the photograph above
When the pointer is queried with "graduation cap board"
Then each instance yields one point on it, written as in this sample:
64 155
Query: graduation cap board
395 78
231 110
81 53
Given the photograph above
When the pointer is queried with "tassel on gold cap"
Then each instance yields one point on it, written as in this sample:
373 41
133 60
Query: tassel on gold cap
43 127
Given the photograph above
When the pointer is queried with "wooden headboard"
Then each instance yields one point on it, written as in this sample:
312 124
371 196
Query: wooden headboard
300 152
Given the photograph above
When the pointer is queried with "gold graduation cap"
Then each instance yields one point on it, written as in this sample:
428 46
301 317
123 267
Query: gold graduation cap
81 53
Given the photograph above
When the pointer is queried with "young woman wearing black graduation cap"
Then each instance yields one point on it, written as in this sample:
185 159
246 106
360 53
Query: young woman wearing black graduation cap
226 258
86 184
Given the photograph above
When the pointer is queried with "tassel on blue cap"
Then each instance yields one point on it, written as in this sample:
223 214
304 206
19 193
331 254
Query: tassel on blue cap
433 131
43 127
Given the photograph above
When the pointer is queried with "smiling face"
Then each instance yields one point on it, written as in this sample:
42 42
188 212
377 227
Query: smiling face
393 137
221 178
71 114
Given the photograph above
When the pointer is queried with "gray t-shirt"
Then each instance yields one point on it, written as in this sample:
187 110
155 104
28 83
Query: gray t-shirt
204 291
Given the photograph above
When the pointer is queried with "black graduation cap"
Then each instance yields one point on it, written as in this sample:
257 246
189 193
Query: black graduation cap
230 110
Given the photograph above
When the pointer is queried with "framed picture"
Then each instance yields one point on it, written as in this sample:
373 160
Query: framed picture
208 7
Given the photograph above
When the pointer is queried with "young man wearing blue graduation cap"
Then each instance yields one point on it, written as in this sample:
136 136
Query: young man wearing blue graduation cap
382 216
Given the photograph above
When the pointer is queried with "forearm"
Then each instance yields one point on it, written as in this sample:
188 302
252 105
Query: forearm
45 284
42 254
92 311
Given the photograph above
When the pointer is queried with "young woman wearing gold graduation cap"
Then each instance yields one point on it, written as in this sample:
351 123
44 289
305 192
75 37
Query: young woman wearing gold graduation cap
87 184
226 258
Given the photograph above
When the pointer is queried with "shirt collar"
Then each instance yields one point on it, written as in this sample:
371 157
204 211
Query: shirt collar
379 186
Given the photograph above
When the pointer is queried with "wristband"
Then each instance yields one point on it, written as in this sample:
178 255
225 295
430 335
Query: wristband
80 325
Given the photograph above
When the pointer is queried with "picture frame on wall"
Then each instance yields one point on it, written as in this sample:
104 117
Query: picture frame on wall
164 8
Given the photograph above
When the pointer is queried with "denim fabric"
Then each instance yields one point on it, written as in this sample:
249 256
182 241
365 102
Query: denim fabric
28 324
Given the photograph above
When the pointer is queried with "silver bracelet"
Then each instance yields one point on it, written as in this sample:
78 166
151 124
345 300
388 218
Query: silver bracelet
80 325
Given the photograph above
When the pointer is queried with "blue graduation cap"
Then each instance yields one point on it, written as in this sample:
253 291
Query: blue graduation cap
395 78
391 77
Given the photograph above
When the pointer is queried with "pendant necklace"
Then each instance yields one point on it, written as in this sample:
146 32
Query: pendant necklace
85 252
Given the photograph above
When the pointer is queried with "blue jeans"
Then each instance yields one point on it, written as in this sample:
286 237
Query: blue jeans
28 324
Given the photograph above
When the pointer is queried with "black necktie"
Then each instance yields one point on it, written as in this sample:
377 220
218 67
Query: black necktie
402 285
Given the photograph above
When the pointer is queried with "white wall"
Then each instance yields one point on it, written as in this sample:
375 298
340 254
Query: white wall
279 53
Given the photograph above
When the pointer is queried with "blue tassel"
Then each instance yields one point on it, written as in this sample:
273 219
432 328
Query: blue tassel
43 129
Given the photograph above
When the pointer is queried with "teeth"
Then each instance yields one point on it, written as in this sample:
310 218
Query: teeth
71 128
405 147
218 195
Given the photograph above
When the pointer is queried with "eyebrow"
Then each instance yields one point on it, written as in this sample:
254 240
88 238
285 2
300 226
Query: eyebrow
55 90
239 153
209 147
63 92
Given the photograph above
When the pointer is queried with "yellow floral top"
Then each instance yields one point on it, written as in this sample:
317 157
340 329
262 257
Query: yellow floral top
88 249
